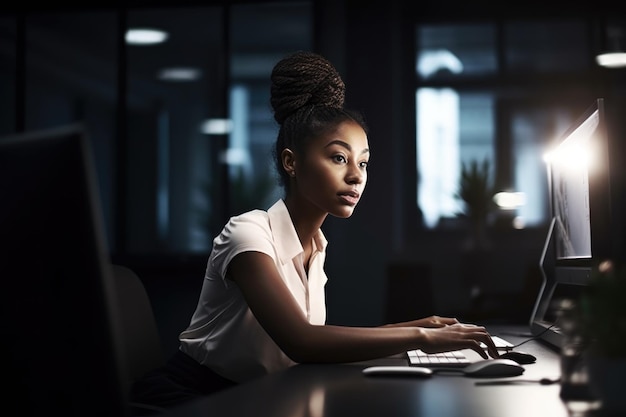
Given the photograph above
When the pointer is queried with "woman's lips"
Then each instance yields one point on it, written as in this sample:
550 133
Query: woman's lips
349 198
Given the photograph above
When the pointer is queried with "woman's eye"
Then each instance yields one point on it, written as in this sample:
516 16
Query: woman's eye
364 164
339 158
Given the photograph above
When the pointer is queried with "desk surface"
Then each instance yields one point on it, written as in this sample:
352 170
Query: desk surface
342 390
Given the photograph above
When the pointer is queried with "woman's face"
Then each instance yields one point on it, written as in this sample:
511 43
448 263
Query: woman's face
333 173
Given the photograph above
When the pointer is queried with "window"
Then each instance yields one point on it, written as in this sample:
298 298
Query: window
261 34
174 172
484 97
200 148
448 51
182 129
546 46
452 128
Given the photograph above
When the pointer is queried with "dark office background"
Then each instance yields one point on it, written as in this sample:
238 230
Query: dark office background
167 187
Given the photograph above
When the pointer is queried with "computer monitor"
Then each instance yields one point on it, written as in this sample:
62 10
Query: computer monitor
580 234
59 344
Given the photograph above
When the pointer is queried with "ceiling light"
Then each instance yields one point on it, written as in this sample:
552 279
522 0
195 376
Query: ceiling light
614 56
179 74
507 200
612 59
432 62
145 36
216 126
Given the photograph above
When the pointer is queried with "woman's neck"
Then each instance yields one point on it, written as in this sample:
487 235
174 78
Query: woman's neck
307 220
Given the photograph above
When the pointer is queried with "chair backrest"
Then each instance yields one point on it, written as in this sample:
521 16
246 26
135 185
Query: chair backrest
141 343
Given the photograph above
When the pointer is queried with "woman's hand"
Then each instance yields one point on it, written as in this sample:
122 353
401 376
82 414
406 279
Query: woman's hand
434 321
443 334
459 336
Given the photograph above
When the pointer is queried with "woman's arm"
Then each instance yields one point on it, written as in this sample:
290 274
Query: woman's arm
432 321
276 310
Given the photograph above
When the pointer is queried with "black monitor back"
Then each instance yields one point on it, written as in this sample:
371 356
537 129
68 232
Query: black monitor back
59 344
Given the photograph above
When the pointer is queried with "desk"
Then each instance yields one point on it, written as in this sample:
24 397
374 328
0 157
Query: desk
342 390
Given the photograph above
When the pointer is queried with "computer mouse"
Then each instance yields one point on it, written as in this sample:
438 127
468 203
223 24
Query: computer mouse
520 357
415 371
493 368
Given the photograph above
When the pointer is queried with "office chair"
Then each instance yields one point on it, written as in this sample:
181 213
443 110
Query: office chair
141 343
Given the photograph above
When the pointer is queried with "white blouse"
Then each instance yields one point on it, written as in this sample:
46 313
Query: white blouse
223 333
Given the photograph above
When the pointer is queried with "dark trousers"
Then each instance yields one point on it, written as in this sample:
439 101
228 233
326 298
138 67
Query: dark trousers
181 379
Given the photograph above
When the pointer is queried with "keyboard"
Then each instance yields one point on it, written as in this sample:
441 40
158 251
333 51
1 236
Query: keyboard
454 359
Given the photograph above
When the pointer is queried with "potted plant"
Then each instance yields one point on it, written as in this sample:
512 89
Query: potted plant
602 310
476 193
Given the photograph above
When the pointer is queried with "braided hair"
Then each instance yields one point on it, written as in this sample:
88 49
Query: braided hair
307 98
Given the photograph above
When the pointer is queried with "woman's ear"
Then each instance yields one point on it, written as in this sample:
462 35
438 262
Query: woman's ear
288 159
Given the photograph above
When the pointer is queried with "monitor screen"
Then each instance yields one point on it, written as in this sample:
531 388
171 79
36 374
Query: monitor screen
579 234
59 344
568 165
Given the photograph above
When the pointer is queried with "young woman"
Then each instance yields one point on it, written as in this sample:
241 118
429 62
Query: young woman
262 304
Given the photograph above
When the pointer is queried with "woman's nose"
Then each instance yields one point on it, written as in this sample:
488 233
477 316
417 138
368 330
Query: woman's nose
355 175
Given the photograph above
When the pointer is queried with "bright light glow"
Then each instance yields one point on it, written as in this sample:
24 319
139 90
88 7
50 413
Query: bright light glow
179 74
433 61
570 155
145 36
519 223
317 400
438 153
235 156
216 126
577 150
507 200
612 59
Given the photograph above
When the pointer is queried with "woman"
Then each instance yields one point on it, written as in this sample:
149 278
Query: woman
262 304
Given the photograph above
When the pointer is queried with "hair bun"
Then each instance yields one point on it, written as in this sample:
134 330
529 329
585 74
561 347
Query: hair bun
304 79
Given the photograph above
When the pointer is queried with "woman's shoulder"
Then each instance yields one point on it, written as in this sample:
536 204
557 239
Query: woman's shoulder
259 217
248 224
255 216
247 231
254 224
